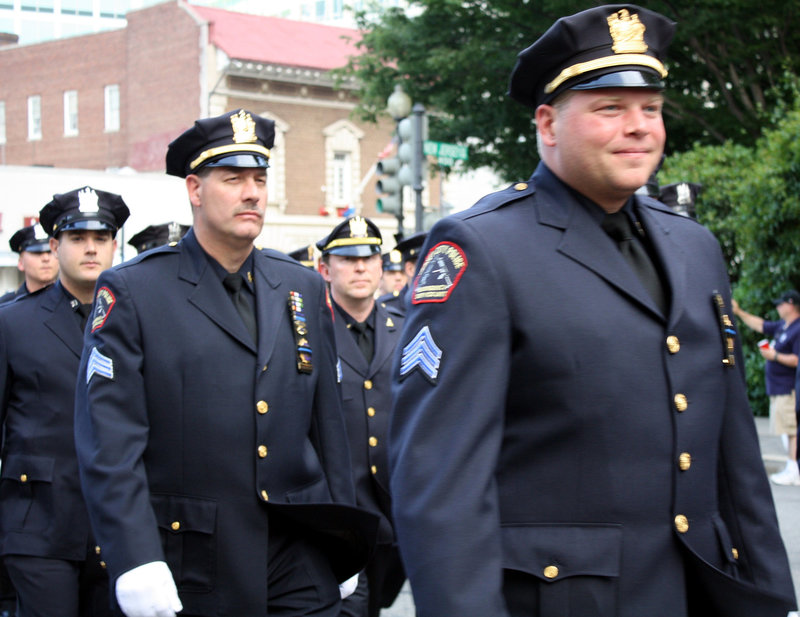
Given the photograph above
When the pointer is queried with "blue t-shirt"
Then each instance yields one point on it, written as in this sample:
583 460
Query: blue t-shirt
780 378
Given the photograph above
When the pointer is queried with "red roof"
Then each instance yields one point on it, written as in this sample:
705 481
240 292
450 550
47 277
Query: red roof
279 41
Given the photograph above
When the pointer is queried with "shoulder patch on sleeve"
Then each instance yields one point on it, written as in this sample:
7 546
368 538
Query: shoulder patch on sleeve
103 303
440 272
422 353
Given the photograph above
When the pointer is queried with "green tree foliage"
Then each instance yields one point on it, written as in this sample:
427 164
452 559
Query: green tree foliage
455 57
751 201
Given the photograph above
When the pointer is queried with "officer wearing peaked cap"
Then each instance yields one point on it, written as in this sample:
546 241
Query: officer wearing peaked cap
410 249
209 429
306 256
366 336
157 235
45 537
394 276
36 262
578 441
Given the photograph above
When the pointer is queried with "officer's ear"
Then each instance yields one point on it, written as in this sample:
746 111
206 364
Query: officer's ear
54 246
546 118
194 187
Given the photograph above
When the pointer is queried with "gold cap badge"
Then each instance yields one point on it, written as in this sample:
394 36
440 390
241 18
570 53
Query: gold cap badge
244 129
358 227
627 32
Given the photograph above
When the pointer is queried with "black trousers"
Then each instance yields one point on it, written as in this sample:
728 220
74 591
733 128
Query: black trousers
47 587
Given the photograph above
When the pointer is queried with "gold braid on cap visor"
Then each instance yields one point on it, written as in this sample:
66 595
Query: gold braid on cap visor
350 242
212 152
602 63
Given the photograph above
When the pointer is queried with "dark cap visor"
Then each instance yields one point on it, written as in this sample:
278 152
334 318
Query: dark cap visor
36 247
236 160
622 79
86 224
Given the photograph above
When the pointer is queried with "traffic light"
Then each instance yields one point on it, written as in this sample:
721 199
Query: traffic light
412 132
389 186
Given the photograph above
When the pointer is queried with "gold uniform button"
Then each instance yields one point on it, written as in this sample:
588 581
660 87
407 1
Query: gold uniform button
681 523
262 407
96 550
735 553
370 411
368 385
681 402
262 451
373 441
520 186
685 461
550 572
264 496
175 526
673 344
373 469
23 478
103 565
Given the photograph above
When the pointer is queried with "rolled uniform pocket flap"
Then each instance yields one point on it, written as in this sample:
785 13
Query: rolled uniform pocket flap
555 552
28 468
178 514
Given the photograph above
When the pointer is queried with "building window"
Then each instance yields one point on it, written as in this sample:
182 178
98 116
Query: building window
338 9
342 165
2 122
320 9
341 170
34 117
40 6
77 7
70 112
112 108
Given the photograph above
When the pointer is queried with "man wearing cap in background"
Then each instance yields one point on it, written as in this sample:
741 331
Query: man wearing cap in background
780 355
157 235
409 248
579 442
305 256
36 262
209 430
45 538
393 278
366 336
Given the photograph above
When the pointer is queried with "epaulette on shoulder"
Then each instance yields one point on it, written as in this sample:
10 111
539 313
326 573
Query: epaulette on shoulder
499 199
159 251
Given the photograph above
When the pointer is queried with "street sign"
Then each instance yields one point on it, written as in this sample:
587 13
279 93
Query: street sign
445 152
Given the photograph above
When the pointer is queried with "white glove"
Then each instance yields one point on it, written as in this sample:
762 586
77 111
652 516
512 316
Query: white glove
148 591
348 587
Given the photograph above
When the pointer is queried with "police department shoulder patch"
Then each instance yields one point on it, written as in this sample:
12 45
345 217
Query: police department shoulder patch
440 272
103 303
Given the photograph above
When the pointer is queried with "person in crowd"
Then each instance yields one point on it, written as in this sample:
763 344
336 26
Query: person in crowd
47 545
571 433
36 262
211 442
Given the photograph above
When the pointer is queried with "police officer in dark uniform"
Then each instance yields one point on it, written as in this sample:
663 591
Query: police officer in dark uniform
157 235
394 276
409 248
36 262
571 433
45 537
680 196
209 430
366 336
305 255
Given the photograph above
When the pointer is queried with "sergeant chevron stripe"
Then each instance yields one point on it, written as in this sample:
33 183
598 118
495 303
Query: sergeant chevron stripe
99 364
422 353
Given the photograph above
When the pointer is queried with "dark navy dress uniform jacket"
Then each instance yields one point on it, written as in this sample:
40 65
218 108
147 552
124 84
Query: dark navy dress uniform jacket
572 432
196 433
42 512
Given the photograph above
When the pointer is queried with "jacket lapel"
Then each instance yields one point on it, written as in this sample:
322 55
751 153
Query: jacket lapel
208 295
272 305
584 241
60 320
385 327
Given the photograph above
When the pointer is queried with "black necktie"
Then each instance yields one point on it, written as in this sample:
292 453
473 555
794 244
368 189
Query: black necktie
362 339
83 311
233 283
618 226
